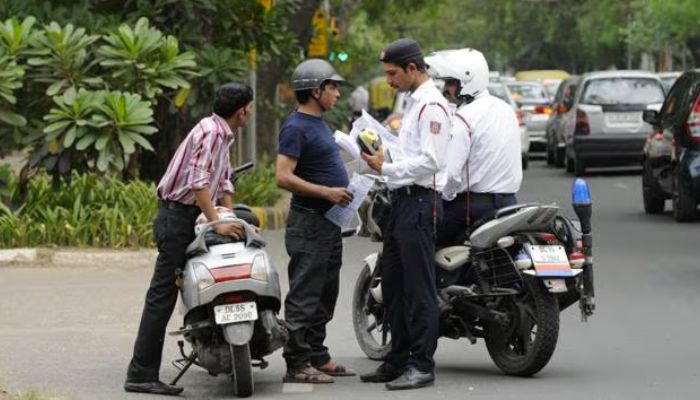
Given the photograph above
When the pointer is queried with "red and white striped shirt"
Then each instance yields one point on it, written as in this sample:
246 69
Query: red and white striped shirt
201 160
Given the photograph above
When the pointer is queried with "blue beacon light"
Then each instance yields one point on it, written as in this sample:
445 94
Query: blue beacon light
580 193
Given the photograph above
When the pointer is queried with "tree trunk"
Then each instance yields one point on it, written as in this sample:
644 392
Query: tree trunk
270 75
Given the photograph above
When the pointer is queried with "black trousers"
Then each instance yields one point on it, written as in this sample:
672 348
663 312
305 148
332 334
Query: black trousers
315 248
454 224
408 281
173 230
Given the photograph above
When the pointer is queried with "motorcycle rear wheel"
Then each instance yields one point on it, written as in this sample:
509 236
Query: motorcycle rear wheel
368 328
525 346
242 372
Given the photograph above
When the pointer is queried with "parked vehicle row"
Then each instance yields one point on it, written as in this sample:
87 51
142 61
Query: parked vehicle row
671 154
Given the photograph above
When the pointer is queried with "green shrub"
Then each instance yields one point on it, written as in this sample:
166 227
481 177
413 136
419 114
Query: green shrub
87 211
99 211
258 188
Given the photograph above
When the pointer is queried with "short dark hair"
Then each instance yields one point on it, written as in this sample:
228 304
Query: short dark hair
417 60
305 95
230 97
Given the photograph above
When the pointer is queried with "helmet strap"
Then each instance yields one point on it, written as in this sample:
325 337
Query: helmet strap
465 99
318 101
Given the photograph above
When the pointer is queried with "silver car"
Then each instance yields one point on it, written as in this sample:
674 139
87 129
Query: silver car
534 101
605 127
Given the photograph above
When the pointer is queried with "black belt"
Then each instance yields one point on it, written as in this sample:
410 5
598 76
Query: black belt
412 190
308 210
486 196
174 205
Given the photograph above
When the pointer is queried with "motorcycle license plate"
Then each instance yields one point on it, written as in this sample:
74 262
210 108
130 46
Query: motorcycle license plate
239 312
550 261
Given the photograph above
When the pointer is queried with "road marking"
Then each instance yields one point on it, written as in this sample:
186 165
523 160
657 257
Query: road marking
621 186
297 388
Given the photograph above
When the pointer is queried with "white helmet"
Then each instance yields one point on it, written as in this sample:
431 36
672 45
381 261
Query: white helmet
469 67
437 64
201 221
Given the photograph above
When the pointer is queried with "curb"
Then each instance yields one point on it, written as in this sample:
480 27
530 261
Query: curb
271 217
77 257
274 217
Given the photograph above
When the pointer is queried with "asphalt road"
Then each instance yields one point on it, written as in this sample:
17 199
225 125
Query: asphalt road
70 331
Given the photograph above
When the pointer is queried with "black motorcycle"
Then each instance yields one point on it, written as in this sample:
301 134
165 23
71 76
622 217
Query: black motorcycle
518 268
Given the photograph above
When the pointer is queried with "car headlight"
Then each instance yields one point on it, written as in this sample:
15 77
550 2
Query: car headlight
259 269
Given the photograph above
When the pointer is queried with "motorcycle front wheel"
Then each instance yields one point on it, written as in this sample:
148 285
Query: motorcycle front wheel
526 345
242 371
367 319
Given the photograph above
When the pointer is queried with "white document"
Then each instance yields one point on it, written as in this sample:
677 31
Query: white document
359 187
389 141
347 143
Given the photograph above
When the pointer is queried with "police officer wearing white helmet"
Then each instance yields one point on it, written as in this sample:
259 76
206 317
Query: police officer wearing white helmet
414 177
484 169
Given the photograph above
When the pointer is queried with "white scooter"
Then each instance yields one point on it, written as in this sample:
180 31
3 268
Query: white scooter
230 298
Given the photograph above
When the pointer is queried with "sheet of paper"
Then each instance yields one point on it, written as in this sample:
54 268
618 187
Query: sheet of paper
359 187
389 141
347 143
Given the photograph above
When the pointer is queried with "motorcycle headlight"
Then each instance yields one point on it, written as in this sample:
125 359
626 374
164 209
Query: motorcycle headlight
259 269
202 276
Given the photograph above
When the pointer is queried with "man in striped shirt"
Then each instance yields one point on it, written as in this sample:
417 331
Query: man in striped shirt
195 181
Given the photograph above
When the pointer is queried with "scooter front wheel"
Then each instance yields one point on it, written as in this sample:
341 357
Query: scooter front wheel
242 371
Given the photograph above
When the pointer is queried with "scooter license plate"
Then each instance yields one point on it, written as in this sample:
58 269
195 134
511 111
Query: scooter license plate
550 261
239 312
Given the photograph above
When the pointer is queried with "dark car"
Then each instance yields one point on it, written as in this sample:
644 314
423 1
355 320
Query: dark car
671 160
554 133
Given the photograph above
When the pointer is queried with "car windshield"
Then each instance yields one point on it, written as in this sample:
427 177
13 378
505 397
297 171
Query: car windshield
668 81
500 92
623 91
552 88
527 91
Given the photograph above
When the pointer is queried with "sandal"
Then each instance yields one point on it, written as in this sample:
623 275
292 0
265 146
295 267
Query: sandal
334 369
308 374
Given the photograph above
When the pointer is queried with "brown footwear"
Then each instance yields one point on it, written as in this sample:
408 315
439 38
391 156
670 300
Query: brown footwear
308 374
333 369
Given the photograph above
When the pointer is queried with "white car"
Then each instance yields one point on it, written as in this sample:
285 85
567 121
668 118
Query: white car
605 127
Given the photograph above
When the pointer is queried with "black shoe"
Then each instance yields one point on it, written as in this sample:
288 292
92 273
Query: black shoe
412 379
383 373
155 387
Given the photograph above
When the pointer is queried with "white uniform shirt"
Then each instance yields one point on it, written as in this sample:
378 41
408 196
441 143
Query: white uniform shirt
486 141
423 140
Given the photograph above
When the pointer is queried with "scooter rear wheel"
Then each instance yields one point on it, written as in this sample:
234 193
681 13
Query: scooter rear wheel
242 371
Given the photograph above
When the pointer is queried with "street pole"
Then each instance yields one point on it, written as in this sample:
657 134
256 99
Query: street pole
252 123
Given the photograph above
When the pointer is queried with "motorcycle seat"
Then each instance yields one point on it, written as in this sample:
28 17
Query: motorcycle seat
498 213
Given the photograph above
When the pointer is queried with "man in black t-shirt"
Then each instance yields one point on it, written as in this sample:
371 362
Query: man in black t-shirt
310 166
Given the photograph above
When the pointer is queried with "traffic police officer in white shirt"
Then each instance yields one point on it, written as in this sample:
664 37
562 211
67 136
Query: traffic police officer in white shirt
484 169
414 177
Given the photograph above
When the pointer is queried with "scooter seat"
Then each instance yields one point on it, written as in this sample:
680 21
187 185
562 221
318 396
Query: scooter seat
213 239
